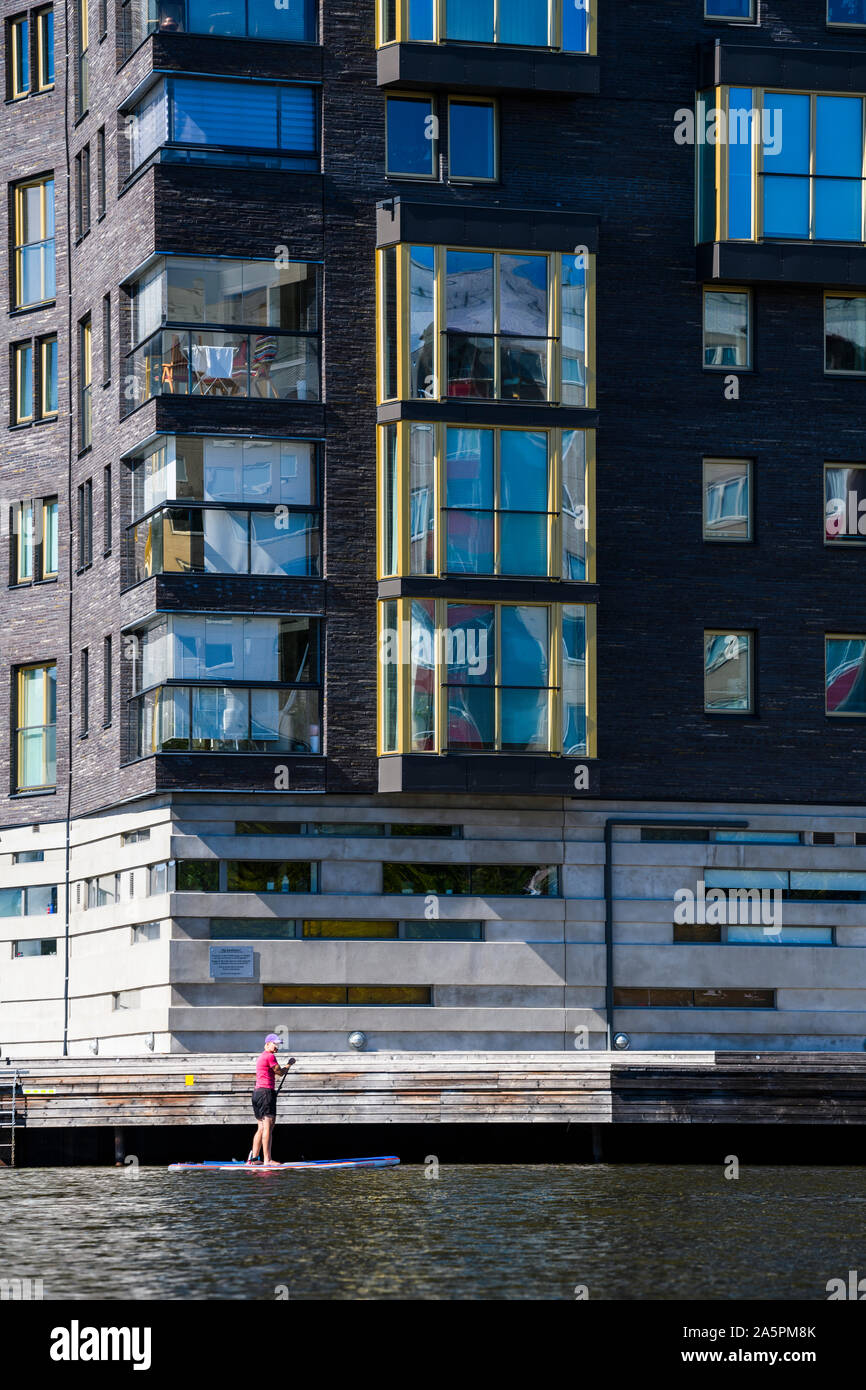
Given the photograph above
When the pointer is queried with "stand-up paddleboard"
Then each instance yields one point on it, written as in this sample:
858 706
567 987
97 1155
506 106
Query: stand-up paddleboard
238 1165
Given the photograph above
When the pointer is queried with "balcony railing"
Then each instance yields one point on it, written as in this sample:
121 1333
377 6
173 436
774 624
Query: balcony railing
265 366
226 719
220 540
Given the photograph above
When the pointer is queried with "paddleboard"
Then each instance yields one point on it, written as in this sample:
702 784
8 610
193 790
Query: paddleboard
237 1165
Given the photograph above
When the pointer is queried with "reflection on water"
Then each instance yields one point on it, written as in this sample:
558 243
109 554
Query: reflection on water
476 1232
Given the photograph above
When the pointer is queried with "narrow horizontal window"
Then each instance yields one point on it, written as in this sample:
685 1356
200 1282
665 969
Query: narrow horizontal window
274 876
509 880
145 931
357 995
517 23
197 876
39 947
694 998
846 12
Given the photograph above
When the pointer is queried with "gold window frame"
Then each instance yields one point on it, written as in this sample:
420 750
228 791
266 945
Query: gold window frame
21 729
440 687
554 28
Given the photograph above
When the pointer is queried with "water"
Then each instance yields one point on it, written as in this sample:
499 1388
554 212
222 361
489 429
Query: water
476 1232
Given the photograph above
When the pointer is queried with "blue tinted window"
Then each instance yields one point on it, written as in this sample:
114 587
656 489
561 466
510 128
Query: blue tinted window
838 214
522 543
251 115
523 471
839 136
409 136
469 467
470 20
786 133
523 22
421 20
740 135
575 25
728 9
846 11
786 207
471 140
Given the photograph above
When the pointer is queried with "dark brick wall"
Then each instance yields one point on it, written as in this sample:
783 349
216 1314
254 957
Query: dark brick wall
612 156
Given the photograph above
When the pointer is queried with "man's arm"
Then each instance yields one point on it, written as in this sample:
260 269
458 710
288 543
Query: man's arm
281 1071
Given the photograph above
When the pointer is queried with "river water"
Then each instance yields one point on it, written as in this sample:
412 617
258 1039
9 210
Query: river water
474 1232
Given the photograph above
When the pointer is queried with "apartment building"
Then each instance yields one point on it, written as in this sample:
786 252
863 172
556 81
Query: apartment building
433 501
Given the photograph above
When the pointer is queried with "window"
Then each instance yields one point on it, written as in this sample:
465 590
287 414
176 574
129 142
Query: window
18 60
103 18
500 880
100 172
45 49
34 242
694 998
270 876
264 516
82 192
745 935
197 876
412 138
729 9
294 21
35 528
134 837
159 879
472 140
484 677
728 672
34 380
83 89
43 947
48 376
460 499
727 329
107 682
844 504
196 119
28 902
357 995
807 186
851 12
36 732
22 383
126 999
795 885
146 931
485 325
84 690
845 675
525 23
234 328
727 493
280 712
845 333
85 524
106 509
28 856
85 384
106 339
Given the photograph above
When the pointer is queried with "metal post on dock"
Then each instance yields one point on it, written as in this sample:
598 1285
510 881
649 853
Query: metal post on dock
119 1147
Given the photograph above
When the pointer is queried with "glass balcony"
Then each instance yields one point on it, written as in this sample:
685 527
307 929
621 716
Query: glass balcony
264 366
205 540
226 719
294 21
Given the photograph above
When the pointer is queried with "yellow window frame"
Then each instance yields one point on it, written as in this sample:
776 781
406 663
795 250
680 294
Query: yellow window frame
45 345
403 608
440 251
19 51
25 572
21 729
41 21
42 183
22 411
554 26
402 500
49 504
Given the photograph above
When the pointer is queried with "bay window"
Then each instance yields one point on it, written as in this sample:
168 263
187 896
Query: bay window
225 328
465 677
485 325
292 21
780 165
203 119
568 25
227 683
264 517
477 500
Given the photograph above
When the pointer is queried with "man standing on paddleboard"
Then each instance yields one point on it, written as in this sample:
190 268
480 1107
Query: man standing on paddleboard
265 1100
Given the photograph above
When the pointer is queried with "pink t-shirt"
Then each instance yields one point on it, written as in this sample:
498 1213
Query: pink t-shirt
265 1071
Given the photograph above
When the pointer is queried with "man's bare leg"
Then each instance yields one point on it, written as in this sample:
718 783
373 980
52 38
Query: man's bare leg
257 1141
267 1131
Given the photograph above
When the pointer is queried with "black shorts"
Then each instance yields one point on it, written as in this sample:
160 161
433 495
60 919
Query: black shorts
264 1102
